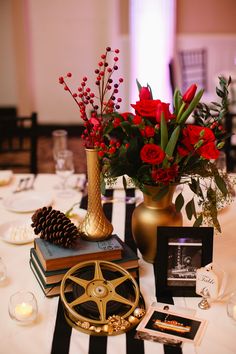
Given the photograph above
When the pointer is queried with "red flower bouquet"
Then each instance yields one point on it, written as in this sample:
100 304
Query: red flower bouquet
155 144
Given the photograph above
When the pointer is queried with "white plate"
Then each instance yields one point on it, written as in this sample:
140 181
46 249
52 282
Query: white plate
25 202
17 232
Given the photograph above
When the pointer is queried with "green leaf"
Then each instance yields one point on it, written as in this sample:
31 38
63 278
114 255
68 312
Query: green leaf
172 142
102 185
150 90
219 92
190 209
216 104
177 101
221 185
191 107
179 202
124 182
198 221
139 85
164 132
68 212
194 209
195 187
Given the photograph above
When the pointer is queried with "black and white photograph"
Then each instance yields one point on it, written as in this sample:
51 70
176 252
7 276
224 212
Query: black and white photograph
184 258
180 252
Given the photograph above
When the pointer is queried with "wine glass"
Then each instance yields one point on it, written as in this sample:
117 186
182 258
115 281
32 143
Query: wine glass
64 169
59 137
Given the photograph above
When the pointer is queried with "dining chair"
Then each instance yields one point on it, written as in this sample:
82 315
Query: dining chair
18 143
172 75
193 68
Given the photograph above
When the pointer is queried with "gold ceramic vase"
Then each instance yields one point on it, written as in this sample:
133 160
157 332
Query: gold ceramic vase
150 214
95 226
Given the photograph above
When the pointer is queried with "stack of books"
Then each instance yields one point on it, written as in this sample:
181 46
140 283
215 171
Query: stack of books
50 262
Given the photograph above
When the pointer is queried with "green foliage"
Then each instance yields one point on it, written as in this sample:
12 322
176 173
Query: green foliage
209 188
179 202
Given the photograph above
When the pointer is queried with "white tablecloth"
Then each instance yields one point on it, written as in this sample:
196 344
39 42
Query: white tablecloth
220 335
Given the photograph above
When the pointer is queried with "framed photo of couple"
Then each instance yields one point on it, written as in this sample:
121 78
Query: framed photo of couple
180 252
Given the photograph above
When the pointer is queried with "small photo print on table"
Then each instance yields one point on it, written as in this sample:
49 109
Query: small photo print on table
180 252
184 258
171 328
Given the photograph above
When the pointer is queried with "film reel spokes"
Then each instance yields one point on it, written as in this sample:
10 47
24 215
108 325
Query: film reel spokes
104 298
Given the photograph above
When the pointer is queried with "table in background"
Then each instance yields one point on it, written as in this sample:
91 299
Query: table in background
37 338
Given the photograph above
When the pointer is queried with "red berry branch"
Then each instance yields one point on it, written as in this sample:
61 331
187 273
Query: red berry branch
106 102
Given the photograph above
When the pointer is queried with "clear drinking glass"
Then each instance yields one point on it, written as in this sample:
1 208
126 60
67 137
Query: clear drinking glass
64 169
23 307
231 307
60 141
221 161
3 271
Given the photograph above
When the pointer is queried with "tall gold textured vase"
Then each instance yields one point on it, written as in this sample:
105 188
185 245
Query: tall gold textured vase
150 214
95 226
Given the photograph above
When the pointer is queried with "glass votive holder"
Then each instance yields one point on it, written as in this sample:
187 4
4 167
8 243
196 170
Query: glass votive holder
23 307
221 161
231 306
3 271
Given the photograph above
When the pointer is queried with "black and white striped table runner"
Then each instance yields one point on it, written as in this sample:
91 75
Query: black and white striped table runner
70 341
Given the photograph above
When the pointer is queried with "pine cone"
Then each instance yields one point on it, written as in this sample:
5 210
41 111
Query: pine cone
55 227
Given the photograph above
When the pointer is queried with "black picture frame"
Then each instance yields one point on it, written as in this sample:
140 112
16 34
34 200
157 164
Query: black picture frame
180 251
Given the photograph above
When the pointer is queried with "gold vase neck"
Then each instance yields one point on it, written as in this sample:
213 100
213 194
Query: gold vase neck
93 170
95 226
152 191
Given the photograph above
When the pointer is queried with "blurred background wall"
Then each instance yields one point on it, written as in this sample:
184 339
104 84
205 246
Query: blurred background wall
42 40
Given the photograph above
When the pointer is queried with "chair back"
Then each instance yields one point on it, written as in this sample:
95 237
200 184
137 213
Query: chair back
193 68
18 143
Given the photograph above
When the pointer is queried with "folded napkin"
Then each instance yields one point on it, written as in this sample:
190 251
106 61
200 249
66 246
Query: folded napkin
5 177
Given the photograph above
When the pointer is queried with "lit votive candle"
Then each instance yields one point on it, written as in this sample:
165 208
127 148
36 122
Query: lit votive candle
23 307
23 311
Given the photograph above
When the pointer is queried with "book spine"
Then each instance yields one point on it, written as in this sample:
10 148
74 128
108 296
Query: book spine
49 291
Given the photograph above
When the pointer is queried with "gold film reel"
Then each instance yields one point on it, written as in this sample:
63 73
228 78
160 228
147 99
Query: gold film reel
105 298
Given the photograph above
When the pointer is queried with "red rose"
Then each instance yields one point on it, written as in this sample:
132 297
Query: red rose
189 93
152 154
165 175
116 122
209 151
163 107
145 94
126 115
146 108
149 131
137 120
194 133
182 151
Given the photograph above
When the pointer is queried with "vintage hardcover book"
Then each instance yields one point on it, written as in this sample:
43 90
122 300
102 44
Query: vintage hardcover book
48 276
129 258
53 289
53 257
128 261
48 289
